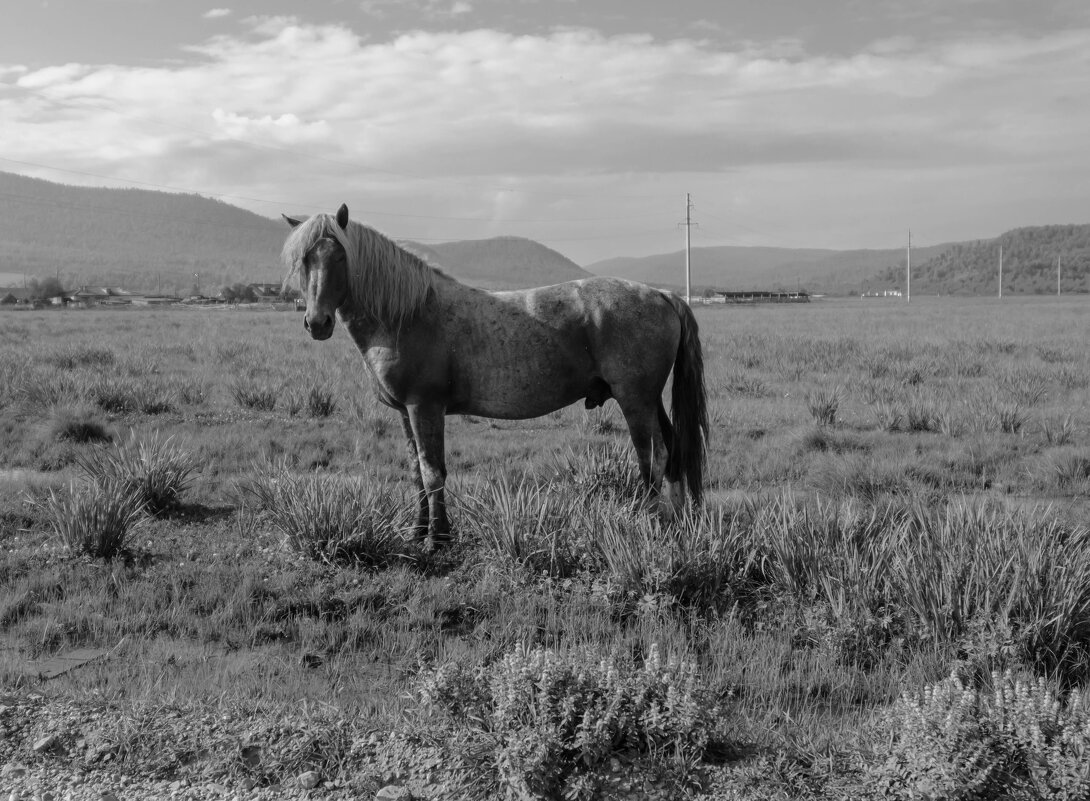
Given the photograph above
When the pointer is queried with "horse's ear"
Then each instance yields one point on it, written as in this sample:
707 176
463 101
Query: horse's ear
291 221
342 217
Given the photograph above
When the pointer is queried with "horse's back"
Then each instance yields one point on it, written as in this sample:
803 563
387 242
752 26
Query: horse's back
527 352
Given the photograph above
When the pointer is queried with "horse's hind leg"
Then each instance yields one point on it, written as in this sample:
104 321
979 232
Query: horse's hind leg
673 491
427 428
420 525
647 439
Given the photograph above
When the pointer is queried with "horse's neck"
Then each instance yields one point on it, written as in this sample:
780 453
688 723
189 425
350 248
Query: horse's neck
366 331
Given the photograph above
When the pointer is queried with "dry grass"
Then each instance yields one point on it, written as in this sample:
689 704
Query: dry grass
894 490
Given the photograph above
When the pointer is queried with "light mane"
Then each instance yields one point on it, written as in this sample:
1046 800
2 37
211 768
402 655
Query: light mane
386 283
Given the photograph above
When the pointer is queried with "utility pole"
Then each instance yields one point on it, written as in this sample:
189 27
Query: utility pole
1057 275
908 269
1000 271
688 247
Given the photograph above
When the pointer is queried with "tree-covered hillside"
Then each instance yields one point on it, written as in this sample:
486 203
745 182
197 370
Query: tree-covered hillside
140 239
1029 264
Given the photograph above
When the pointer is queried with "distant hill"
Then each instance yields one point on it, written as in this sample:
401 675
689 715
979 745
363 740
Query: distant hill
965 268
147 241
135 238
504 262
765 268
1029 264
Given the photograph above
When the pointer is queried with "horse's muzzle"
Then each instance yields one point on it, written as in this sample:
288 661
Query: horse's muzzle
320 328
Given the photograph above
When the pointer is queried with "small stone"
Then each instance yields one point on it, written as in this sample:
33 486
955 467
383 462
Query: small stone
308 780
45 744
106 795
12 771
247 784
15 795
393 792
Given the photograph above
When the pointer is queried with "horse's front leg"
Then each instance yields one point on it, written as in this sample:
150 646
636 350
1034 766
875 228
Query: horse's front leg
420 525
427 423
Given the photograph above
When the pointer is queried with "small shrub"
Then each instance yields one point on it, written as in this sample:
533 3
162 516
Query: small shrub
254 395
95 520
539 724
330 518
157 469
1018 740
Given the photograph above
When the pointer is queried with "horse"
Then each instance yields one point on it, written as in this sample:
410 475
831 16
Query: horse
435 347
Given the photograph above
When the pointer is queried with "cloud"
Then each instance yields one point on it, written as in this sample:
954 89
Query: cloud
454 123
216 13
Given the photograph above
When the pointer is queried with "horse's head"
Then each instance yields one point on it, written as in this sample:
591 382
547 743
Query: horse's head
324 279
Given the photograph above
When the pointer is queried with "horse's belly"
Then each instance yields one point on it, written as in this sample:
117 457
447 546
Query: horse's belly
517 394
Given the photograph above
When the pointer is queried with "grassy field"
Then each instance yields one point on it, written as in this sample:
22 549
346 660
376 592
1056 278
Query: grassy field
888 591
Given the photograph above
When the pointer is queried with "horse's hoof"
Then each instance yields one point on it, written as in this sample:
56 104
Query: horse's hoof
436 541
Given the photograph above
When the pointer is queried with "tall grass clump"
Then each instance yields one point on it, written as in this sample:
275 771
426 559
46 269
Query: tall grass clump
824 404
701 561
73 356
1016 740
254 395
97 519
546 724
328 517
537 527
320 402
159 470
127 394
606 471
971 565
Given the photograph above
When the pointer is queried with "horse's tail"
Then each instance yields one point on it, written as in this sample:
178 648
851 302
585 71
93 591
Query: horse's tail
689 405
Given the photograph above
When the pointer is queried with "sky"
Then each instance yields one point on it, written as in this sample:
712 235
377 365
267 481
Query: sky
581 124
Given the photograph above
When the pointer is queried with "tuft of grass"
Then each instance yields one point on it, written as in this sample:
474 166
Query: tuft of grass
95 520
1058 430
77 424
156 468
887 416
255 395
320 402
330 518
700 561
73 356
824 404
127 394
602 470
530 524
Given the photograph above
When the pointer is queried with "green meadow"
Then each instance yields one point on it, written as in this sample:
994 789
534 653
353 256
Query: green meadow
887 593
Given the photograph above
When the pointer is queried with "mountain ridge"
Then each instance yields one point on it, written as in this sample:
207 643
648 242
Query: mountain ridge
174 243
149 240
